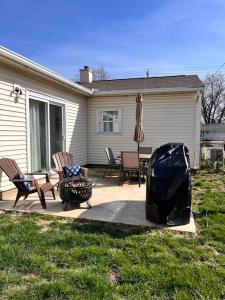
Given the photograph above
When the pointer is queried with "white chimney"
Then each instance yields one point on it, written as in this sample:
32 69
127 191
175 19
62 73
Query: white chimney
86 75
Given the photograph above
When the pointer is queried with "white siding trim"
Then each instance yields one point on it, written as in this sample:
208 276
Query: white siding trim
66 128
25 62
146 91
45 97
28 131
198 131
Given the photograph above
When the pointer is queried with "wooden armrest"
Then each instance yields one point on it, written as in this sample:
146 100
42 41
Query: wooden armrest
21 180
40 173
60 173
84 171
56 170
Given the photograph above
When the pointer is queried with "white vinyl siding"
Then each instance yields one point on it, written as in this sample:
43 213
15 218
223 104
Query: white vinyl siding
12 129
167 118
13 119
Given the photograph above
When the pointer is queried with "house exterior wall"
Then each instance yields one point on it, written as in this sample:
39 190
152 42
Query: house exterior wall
167 118
213 132
14 129
214 136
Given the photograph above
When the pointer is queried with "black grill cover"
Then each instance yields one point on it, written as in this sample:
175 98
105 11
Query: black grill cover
168 189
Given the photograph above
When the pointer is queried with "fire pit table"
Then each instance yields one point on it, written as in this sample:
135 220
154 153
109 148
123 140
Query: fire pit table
75 190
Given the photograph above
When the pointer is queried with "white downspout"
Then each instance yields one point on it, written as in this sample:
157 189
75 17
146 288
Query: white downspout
198 131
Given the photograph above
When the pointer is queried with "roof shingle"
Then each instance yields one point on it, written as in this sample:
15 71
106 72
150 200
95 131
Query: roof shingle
180 81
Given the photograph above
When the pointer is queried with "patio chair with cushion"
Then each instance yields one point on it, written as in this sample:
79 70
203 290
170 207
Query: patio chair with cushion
26 185
65 159
130 164
113 163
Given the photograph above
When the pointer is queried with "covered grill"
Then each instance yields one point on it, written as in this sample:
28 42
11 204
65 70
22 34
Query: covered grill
168 190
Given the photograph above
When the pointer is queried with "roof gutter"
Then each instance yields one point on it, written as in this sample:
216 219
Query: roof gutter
21 60
146 91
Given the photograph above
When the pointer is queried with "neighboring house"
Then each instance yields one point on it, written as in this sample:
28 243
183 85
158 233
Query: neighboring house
213 132
54 114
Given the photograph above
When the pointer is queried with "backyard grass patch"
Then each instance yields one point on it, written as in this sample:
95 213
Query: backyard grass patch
43 257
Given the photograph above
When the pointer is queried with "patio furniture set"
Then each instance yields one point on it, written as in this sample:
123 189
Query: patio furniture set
73 187
76 188
129 163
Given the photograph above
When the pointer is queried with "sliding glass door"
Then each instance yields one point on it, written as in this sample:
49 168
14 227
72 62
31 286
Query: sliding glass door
56 133
46 133
38 135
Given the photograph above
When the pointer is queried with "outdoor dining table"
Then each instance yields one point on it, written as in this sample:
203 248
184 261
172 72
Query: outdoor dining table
141 156
144 156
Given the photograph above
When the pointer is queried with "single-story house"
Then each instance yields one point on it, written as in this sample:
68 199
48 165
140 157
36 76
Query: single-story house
42 112
213 132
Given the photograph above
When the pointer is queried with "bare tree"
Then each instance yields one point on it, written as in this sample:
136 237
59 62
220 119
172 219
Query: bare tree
213 99
100 73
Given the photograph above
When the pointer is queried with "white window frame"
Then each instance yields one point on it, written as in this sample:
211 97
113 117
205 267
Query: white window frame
120 116
48 100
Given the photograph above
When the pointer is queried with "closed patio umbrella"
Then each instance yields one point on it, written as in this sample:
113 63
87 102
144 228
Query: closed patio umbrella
139 131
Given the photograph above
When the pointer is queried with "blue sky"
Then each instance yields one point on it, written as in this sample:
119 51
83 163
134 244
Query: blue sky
126 37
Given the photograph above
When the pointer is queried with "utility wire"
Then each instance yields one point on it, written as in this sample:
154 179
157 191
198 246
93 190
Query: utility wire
219 68
161 71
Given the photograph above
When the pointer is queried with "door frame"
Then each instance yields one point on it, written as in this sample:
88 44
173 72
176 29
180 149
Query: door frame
48 99
63 128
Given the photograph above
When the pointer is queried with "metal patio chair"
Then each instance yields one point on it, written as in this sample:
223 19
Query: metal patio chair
130 164
113 163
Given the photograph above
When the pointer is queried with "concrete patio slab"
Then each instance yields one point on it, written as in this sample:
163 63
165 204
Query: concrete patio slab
110 203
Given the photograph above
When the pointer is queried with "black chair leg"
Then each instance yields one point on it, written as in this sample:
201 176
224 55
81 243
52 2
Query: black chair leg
110 172
105 172
17 198
25 197
88 204
65 205
121 177
53 193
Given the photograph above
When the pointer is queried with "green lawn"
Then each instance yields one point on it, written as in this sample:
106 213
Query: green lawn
56 258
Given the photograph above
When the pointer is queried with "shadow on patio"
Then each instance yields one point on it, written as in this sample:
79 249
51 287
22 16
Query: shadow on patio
110 203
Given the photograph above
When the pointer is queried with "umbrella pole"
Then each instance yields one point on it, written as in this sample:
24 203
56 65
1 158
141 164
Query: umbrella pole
138 147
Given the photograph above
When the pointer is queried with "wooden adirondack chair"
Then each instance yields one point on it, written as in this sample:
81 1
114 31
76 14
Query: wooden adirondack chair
11 169
62 159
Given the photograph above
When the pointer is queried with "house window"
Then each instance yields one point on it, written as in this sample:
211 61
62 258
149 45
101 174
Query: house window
46 133
109 120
